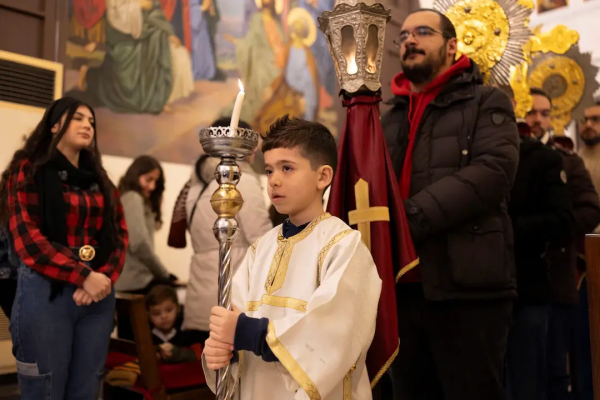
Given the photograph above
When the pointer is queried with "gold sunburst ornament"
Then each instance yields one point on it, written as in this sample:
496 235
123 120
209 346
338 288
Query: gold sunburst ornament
570 82
491 33
520 87
558 41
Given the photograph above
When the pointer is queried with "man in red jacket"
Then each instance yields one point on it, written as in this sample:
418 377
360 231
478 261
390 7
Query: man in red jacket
454 146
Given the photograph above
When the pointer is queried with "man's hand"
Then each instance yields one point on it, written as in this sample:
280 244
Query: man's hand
223 323
217 354
97 285
82 298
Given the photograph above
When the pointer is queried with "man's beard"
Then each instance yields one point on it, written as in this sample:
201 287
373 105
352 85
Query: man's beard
425 71
592 139
537 130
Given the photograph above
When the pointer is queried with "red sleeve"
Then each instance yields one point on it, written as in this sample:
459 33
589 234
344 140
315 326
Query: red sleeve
115 263
34 249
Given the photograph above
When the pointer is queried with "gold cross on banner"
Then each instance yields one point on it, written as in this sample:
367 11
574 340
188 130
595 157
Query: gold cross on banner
364 215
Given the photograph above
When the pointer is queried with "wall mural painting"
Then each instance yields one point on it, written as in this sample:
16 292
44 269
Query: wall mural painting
548 5
158 70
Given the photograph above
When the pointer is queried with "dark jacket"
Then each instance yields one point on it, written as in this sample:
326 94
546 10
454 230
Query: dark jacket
586 210
540 208
464 164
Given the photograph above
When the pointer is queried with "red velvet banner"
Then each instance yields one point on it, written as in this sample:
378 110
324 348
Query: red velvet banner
363 155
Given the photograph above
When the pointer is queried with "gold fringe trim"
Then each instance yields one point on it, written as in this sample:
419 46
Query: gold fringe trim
407 268
385 367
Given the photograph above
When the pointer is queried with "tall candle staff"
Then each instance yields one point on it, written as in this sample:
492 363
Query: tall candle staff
230 144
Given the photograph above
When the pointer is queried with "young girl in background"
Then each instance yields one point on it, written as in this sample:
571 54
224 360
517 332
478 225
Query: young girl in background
142 188
67 225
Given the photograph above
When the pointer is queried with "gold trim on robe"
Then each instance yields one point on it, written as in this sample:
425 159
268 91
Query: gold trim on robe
277 301
325 250
291 365
348 384
282 256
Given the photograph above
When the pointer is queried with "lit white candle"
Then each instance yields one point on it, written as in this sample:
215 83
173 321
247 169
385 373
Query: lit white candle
237 109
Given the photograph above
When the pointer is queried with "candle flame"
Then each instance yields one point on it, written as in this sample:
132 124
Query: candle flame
240 85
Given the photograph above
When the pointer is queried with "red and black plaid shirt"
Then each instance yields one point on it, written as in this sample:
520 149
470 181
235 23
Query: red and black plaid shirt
84 220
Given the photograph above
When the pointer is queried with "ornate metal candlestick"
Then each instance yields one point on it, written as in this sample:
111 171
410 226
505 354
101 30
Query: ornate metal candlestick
229 144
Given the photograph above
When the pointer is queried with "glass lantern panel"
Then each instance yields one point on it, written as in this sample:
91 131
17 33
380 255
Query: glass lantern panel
335 59
372 49
349 49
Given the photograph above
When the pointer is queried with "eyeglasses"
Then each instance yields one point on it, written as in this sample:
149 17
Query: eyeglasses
592 118
419 33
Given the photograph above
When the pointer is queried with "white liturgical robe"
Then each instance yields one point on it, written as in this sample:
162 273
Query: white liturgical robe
320 290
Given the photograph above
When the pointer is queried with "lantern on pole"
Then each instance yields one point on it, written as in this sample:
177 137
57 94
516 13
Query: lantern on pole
355 32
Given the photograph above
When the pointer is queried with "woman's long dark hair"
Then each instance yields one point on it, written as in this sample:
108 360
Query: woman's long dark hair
131 181
40 147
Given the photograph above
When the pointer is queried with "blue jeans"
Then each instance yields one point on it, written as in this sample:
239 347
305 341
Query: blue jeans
60 347
526 368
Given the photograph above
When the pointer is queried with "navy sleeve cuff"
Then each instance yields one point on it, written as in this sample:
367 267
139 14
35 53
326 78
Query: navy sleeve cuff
251 335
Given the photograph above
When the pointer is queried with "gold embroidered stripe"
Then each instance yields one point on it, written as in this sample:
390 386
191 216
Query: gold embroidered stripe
348 384
385 367
292 366
283 254
254 245
239 374
406 269
325 250
276 301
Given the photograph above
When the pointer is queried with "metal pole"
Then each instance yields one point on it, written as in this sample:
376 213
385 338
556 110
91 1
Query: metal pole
228 144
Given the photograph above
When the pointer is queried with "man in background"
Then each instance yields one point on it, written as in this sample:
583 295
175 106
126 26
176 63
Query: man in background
563 260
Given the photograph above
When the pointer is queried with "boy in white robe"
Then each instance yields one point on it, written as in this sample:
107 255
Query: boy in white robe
308 289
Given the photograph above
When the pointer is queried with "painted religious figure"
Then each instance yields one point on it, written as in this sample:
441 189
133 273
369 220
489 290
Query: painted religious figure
145 66
260 57
297 88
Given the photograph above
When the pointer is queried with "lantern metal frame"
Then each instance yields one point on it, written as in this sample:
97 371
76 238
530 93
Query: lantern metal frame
360 17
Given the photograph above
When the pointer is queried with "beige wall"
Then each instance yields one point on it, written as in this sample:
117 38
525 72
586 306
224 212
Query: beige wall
176 175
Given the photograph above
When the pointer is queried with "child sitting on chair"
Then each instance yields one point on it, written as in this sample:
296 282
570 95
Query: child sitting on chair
174 345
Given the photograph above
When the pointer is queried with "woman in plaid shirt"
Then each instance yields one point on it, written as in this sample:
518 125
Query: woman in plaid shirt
68 230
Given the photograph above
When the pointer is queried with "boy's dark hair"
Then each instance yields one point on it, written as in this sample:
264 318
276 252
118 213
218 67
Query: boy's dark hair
539 92
159 294
315 141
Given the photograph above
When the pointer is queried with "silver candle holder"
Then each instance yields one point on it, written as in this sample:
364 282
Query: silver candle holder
230 144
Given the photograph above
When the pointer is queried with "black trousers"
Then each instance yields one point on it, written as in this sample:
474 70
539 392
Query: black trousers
450 350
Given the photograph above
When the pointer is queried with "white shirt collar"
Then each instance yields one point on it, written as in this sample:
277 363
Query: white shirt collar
162 336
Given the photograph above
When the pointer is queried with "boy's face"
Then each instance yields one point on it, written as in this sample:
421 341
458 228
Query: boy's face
163 315
294 186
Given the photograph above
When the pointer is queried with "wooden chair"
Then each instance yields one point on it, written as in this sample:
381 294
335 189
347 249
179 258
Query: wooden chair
592 255
145 352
